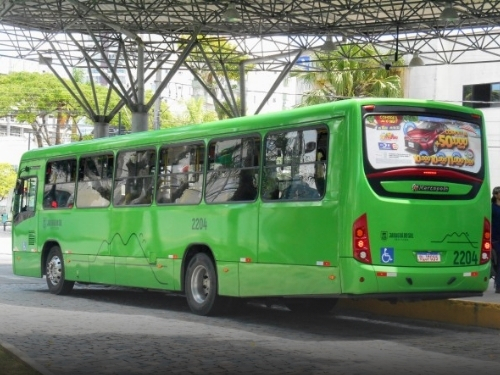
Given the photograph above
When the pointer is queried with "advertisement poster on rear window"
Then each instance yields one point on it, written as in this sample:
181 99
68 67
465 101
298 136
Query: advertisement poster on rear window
394 141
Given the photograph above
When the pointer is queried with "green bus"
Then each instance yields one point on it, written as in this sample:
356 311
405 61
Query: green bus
360 198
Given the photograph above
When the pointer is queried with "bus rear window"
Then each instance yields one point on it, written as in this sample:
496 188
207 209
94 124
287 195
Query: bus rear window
399 140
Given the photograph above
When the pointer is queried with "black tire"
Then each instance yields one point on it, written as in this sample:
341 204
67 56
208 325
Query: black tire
435 148
311 305
54 273
201 287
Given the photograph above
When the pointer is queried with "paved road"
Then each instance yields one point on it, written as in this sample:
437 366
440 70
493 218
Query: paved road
102 330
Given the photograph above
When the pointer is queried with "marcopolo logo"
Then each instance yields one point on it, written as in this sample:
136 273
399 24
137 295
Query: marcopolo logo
435 189
54 223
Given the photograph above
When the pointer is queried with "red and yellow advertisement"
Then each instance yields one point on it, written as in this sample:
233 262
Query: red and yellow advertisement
403 141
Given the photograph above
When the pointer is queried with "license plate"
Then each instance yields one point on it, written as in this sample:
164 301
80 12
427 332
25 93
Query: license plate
411 144
428 257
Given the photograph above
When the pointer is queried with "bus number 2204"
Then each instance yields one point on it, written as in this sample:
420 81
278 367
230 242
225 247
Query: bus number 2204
199 223
464 257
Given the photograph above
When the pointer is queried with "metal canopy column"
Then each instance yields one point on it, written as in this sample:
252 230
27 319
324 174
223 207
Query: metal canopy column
140 112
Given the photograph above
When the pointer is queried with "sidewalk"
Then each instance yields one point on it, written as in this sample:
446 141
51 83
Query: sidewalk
475 311
5 246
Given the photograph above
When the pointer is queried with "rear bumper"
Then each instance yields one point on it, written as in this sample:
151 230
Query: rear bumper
389 282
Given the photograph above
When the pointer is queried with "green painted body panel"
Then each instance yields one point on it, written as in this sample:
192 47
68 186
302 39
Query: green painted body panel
77 267
267 248
26 259
228 273
288 280
406 186
297 233
102 269
145 274
26 263
410 227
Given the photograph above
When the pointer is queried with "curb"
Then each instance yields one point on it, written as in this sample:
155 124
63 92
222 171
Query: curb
23 357
460 312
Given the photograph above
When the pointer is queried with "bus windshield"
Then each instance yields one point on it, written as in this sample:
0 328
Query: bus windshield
394 140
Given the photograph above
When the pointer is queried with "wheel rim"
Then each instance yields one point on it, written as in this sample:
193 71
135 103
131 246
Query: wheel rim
54 270
200 284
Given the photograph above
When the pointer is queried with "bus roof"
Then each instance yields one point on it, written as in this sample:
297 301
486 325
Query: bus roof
241 124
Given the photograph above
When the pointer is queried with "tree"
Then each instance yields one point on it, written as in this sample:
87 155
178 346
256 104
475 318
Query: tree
351 71
194 114
32 97
7 179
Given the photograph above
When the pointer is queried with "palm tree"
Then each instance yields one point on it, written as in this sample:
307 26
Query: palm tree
351 71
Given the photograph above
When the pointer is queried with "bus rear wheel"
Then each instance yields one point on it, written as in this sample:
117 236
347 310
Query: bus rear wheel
311 305
201 286
54 273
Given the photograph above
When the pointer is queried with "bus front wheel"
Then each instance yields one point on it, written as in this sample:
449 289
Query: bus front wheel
54 273
201 286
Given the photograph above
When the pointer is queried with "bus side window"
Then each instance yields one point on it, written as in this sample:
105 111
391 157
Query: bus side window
134 177
295 164
24 199
95 181
60 184
180 174
233 176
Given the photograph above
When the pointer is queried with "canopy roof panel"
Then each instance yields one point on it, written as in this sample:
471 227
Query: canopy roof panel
264 28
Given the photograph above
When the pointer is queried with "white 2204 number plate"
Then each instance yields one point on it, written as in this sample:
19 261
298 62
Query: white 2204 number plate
429 257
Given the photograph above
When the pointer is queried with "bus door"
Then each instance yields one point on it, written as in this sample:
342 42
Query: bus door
25 254
295 234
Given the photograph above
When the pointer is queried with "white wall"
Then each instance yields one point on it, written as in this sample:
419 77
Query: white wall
258 85
12 148
445 83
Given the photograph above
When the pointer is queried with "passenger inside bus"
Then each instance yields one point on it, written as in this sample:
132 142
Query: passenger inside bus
138 186
298 190
246 190
319 173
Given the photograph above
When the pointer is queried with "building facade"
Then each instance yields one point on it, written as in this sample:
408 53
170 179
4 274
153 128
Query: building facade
476 85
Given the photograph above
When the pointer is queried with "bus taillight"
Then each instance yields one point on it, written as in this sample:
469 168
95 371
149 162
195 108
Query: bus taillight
486 243
361 244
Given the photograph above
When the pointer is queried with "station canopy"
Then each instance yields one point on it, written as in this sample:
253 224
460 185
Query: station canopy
271 34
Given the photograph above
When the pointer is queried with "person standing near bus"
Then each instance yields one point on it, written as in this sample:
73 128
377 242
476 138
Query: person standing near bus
495 233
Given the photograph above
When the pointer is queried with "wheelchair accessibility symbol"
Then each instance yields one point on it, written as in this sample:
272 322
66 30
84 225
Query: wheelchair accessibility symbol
387 255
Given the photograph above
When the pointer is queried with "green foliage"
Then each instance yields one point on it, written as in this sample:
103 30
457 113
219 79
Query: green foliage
352 71
7 179
29 95
32 97
78 75
221 113
195 114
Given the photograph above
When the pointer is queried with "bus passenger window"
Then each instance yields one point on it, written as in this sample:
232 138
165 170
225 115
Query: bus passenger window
295 164
180 177
233 172
134 178
60 183
95 181
24 199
